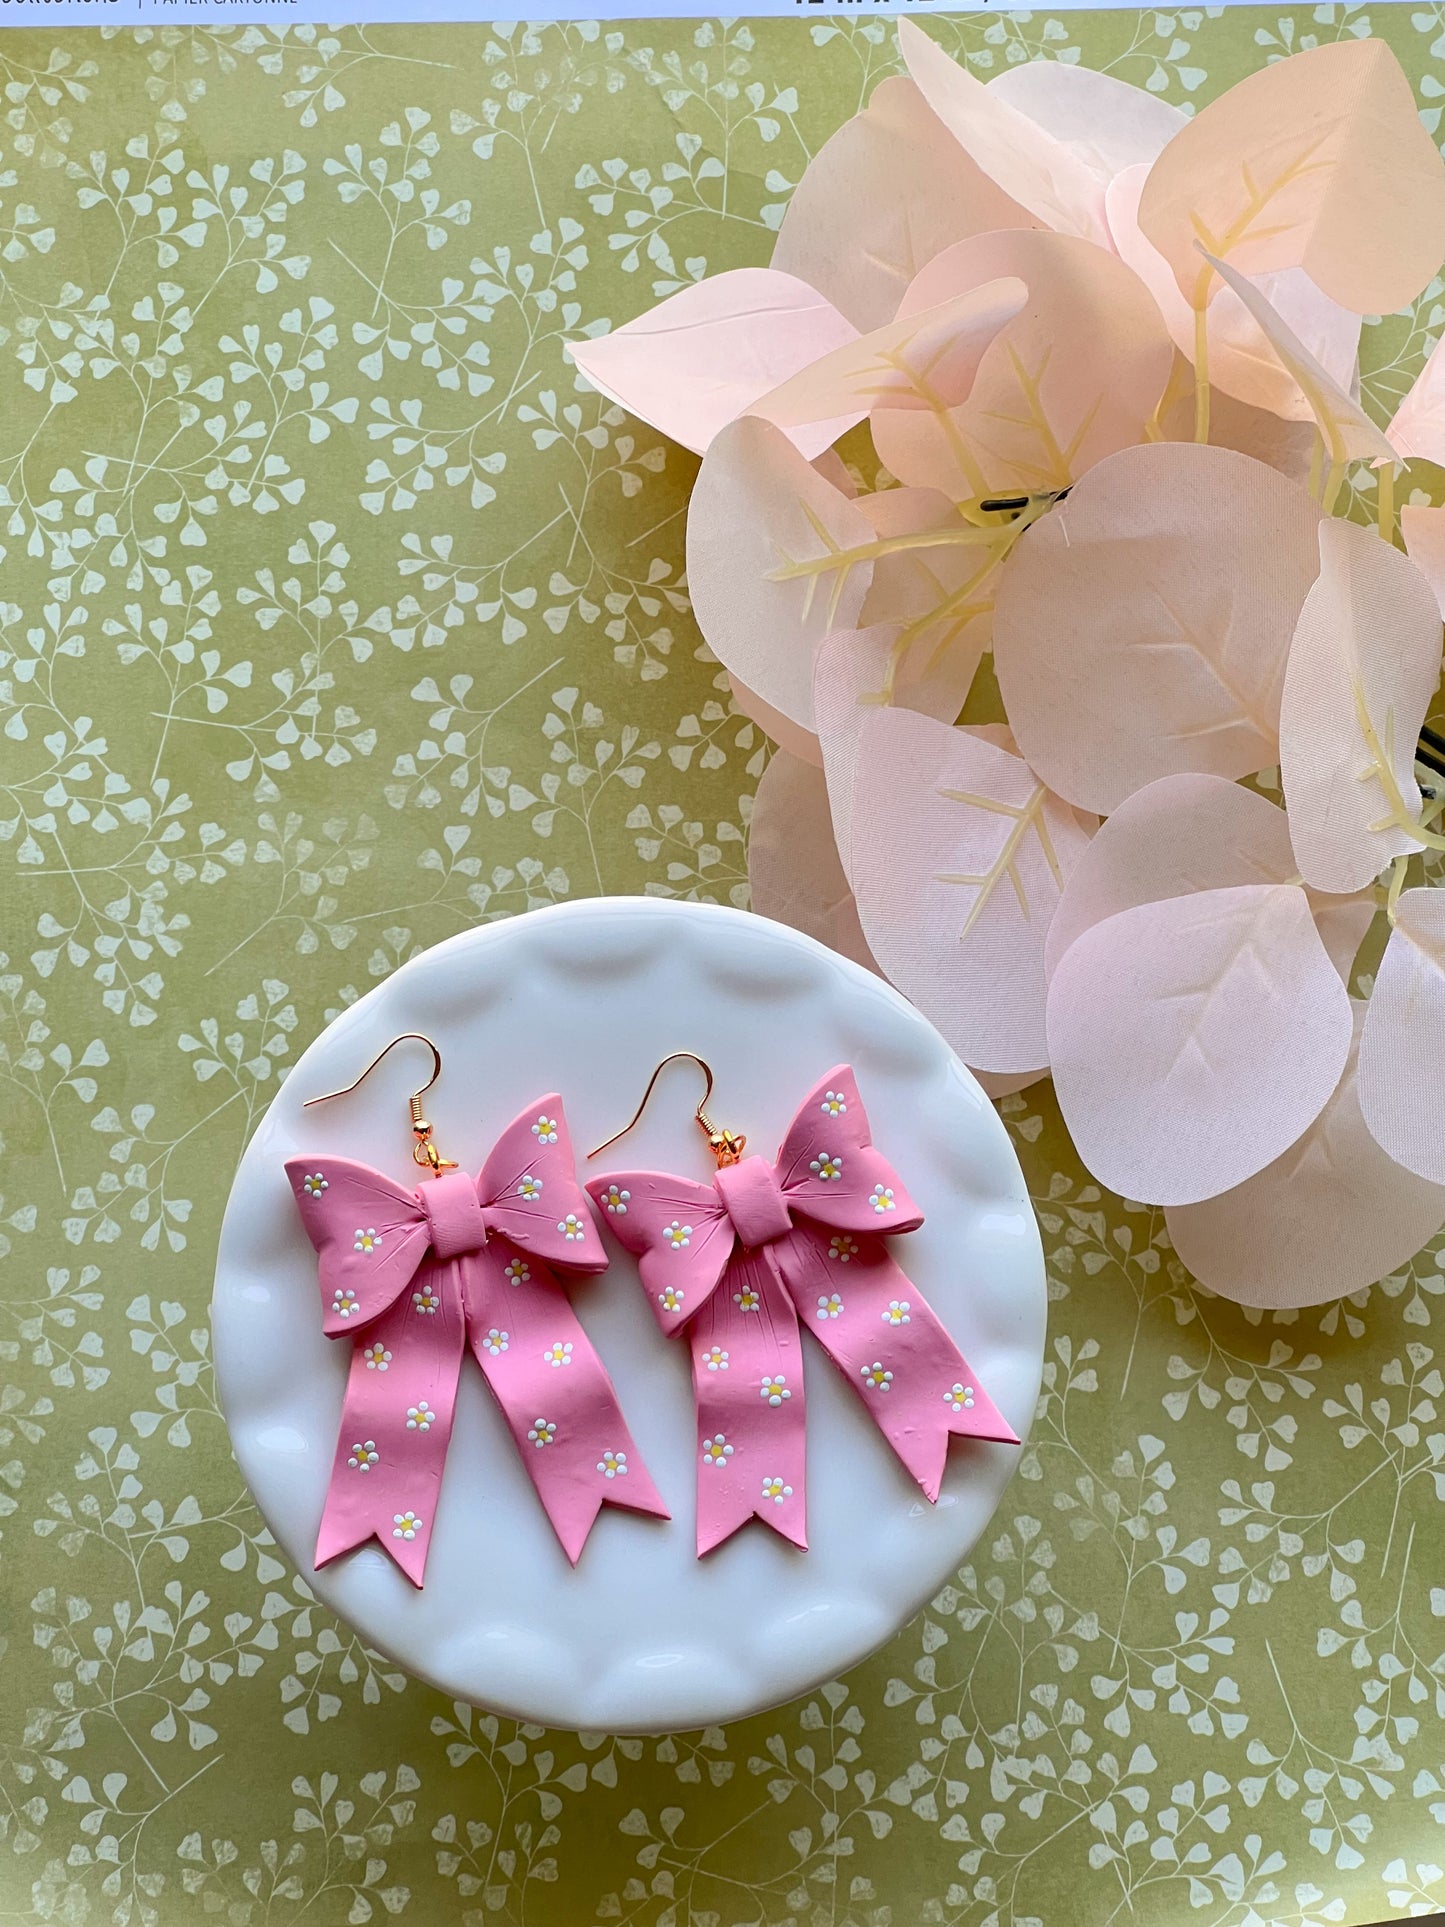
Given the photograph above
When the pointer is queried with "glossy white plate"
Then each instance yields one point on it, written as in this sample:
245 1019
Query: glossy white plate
585 998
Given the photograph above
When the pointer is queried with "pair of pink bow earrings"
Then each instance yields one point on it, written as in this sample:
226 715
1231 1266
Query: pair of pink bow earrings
414 1277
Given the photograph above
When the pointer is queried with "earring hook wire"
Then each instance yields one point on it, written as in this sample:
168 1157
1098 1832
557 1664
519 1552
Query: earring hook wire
424 1152
406 1037
700 1113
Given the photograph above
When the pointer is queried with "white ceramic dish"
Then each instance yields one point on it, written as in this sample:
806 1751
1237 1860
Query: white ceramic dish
585 998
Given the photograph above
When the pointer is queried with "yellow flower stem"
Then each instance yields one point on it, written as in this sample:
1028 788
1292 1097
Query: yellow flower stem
1317 464
1398 867
892 545
1385 504
1201 373
1334 482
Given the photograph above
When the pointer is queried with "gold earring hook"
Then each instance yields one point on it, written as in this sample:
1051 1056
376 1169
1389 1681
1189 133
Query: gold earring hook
726 1148
424 1152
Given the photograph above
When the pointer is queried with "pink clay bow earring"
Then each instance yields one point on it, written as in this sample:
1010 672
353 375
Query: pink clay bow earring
744 1263
412 1278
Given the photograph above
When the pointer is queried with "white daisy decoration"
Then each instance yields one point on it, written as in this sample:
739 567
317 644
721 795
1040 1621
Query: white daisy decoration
959 1397
746 1299
842 1248
345 1303
716 1451
426 1301
671 1299
545 1130
897 1312
827 1167
613 1465
367 1240
314 1184
882 1198
775 1390
516 1272
377 1357
363 1457
496 1342
775 1490
834 1104
529 1187
558 1354
829 1307
419 1416
405 1525
875 1378
572 1228
616 1200
715 1358
542 1432
678 1235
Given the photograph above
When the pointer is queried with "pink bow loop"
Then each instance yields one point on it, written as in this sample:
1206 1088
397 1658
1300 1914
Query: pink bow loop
414 1278
370 1235
681 1233
767 1250
830 1171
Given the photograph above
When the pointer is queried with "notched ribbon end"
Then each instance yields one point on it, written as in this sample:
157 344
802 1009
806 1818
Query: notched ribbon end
575 1529
709 1538
409 1557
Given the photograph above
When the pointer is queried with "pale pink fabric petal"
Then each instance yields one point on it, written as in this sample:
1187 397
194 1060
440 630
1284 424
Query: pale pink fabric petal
776 558
848 676
1348 432
1192 1041
1041 173
1106 124
925 361
1076 375
793 867
958 856
1424 531
1241 361
787 734
833 469
1141 627
697 360
1317 162
1174 837
1363 666
1418 428
883 195
1402 1049
994 1084
850 673
1343 923
1330 1216
938 597
1187 833
1286 446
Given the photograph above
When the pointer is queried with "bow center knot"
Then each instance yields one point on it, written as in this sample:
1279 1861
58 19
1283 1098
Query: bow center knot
454 1212
754 1202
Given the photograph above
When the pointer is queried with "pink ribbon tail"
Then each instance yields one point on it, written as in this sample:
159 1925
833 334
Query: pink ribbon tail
886 1340
554 1393
747 1374
396 1420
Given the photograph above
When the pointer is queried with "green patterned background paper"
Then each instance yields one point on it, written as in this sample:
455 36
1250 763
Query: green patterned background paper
336 618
